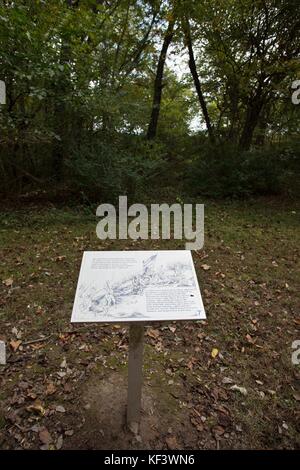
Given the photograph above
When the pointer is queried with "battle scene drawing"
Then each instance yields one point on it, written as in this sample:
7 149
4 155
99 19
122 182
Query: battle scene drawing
123 297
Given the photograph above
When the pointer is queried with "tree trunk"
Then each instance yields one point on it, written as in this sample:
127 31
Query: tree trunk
193 69
59 143
234 95
152 128
253 112
262 128
60 114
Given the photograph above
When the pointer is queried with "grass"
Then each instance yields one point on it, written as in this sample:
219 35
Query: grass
251 297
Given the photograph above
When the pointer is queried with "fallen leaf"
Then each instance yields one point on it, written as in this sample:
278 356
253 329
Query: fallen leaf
60 409
153 333
36 407
172 443
218 430
15 344
67 388
242 390
214 353
206 267
45 436
218 273
16 332
64 363
227 380
250 339
192 361
65 337
37 346
8 282
59 443
50 389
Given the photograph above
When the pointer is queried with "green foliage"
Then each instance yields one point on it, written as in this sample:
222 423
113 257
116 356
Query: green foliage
106 168
224 171
80 77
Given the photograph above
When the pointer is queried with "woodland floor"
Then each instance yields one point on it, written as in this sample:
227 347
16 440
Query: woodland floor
69 390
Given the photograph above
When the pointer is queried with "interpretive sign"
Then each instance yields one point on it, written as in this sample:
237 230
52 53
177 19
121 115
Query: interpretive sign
137 287
134 286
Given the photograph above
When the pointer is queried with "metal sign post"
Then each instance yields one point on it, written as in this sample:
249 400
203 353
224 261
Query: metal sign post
2 92
135 374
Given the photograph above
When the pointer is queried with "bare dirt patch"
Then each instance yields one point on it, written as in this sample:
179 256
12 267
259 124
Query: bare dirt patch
105 427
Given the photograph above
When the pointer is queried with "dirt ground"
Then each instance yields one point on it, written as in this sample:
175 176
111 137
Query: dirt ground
228 382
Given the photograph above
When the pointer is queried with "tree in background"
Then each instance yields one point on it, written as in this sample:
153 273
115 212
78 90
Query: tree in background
93 102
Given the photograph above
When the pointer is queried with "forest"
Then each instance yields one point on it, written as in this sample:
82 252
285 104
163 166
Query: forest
113 97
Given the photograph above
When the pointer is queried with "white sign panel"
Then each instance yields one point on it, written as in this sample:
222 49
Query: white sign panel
124 286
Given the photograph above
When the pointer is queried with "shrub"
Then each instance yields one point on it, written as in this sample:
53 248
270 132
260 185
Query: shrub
103 168
224 171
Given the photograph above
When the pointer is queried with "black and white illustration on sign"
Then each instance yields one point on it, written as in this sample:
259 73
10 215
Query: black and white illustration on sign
137 286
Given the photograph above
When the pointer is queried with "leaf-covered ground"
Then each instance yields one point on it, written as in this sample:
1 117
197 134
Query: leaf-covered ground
228 382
